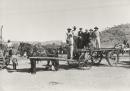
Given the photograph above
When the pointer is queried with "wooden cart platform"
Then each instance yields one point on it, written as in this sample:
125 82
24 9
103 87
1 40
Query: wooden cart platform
96 55
34 59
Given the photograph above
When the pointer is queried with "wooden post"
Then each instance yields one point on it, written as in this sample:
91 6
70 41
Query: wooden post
1 35
118 56
33 66
107 57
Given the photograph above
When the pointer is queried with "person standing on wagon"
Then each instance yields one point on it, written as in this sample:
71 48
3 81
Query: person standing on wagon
80 38
91 39
70 43
97 37
75 38
86 38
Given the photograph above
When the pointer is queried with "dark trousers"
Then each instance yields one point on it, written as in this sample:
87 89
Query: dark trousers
80 43
10 53
86 43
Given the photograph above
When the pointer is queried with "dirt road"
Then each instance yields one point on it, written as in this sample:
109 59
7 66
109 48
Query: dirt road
97 78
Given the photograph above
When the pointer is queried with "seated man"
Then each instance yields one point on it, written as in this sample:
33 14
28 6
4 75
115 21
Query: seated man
126 44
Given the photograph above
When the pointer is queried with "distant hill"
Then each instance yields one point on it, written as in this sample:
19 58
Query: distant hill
55 42
115 34
109 37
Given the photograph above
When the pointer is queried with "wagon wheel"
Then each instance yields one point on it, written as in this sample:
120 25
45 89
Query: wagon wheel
112 58
96 57
83 60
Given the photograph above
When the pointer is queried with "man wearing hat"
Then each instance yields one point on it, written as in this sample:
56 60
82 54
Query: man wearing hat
86 38
97 37
70 43
91 38
68 34
75 38
80 38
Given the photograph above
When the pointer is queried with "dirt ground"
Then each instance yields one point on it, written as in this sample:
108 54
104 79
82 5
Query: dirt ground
96 78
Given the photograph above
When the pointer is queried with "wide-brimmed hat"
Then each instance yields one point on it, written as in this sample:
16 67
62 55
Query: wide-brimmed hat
95 27
80 28
86 29
90 29
68 28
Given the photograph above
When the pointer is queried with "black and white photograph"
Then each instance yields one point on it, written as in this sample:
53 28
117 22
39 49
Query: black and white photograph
64 45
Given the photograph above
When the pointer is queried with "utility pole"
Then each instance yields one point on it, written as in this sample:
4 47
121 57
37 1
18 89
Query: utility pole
1 35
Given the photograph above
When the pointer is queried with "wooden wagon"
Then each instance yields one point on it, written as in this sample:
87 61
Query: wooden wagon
4 60
95 55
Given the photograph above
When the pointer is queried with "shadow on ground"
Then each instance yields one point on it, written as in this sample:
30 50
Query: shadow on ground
62 66
124 64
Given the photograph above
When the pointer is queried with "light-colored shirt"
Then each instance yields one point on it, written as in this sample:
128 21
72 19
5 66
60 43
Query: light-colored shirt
70 38
75 33
69 35
9 45
97 34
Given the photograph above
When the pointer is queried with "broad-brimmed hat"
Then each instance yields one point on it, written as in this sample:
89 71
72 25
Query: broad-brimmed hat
90 29
96 28
80 28
69 29
86 29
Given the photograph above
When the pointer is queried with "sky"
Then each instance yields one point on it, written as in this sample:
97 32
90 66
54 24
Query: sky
46 20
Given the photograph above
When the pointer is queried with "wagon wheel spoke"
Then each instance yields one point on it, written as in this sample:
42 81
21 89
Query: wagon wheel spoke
84 65
83 61
112 58
96 57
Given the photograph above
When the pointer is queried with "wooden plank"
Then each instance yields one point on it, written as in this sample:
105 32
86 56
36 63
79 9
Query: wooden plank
100 49
33 66
50 58
34 59
1 62
1 59
126 49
